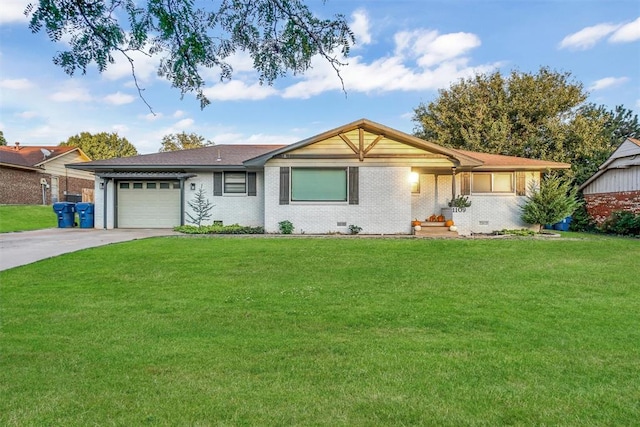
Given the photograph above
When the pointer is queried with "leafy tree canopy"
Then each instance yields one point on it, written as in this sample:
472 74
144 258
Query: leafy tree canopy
101 145
3 141
280 36
541 116
183 141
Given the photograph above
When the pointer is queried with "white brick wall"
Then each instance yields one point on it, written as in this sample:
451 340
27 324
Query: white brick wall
384 208
230 209
487 213
243 210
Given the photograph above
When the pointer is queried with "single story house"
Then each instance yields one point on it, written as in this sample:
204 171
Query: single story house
362 173
616 184
32 175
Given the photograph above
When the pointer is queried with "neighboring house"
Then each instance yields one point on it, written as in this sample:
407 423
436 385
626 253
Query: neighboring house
32 175
362 173
616 184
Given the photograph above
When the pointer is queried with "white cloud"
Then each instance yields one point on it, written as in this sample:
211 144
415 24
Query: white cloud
120 129
440 58
587 37
236 90
360 27
16 84
145 67
608 82
178 114
71 92
27 114
239 138
119 98
627 33
430 48
150 117
13 11
184 124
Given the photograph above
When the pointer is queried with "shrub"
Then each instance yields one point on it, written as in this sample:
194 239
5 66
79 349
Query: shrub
354 229
553 201
220 229
623 223
460 202
286 227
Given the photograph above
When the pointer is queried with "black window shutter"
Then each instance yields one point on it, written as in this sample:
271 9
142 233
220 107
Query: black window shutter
284 186
251 184
217 183
521 187
465 183
354 186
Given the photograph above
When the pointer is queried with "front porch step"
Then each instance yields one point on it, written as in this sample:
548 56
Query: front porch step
435 231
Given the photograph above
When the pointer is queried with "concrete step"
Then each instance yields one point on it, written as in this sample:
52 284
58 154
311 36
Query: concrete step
435 231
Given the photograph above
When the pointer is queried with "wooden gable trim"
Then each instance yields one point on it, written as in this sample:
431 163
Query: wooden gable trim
348 142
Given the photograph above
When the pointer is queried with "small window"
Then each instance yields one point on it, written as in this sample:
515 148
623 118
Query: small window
481 183
151 185
501 182
235 182
176 185
164 185
137 185
124 185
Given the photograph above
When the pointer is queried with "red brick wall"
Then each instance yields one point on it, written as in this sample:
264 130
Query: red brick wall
21 187
72 186
601 205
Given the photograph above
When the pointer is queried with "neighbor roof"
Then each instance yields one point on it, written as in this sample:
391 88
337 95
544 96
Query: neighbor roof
31 156
213 156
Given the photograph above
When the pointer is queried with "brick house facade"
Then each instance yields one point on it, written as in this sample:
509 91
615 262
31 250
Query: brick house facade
29 177
616 184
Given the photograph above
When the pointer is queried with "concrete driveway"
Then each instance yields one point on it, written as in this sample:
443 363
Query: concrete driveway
29 246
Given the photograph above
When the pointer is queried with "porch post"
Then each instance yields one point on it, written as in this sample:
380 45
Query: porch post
453 183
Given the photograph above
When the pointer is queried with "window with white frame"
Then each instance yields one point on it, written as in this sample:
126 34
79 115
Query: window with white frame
495 182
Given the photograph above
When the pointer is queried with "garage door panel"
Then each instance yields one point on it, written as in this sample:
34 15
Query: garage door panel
148 205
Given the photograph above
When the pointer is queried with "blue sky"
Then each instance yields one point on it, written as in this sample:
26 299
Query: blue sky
405 52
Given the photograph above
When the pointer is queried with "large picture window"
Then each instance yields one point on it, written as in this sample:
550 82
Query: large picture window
319 184
497 182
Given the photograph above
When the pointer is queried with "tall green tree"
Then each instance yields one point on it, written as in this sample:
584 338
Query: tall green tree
183 141
539 115
281 36
2 140
101 145
549 202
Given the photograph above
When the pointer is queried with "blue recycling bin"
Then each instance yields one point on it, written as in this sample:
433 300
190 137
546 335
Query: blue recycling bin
85 213
563 225
66 214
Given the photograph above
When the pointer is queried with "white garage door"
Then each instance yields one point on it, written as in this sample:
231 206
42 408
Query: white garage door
148 204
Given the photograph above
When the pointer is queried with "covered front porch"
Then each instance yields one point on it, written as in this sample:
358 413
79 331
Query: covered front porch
432 190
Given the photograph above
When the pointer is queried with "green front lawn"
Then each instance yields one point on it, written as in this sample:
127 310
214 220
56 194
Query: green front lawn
324 331
26 217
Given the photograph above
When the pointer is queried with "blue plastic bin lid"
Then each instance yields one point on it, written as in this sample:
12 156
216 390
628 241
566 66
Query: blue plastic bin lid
64 207
84 206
